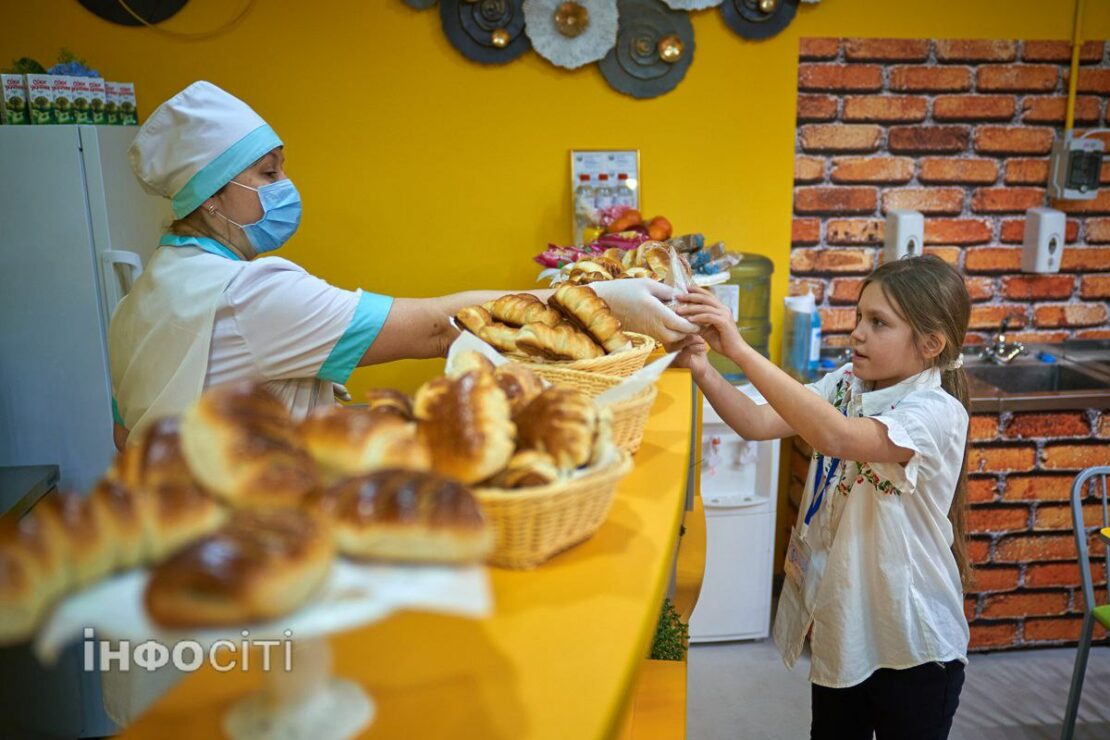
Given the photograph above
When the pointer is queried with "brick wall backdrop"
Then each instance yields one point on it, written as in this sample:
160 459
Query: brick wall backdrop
1027 590
959 130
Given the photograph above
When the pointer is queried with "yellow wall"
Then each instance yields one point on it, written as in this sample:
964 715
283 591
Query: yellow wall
428 173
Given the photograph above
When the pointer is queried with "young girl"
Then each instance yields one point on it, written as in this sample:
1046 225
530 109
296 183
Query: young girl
876 560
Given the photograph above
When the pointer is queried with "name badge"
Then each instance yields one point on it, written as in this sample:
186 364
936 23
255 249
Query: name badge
797 559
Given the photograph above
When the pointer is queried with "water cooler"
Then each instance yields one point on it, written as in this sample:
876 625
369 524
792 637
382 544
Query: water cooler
739 490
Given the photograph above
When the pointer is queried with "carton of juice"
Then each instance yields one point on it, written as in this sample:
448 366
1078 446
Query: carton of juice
14 109
40 94
97 100
62 86
111 103
82 100
128 110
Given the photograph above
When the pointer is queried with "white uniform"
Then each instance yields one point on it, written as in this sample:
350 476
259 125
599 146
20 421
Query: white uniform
882 589
199 317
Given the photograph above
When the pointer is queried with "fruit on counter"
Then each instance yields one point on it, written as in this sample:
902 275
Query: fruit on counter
625 221
659 229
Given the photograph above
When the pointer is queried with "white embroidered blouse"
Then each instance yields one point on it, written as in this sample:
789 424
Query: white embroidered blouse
882 589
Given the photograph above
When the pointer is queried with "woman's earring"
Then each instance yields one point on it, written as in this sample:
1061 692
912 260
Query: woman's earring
211 209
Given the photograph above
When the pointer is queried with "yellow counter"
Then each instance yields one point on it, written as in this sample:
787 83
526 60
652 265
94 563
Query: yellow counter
556 659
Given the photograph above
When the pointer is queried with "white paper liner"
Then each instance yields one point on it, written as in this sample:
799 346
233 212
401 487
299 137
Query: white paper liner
354 595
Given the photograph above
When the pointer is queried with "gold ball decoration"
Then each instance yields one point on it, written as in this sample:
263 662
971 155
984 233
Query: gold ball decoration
768 6
671 48
500 38
571 19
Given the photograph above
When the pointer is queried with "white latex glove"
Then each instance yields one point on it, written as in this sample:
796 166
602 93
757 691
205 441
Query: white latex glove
638 303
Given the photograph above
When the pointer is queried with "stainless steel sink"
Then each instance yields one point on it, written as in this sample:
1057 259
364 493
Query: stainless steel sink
1037 378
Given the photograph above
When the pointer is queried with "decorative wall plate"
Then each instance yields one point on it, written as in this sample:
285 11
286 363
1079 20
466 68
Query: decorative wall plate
153 11
692 4
655 46
486 31
571 34
758 19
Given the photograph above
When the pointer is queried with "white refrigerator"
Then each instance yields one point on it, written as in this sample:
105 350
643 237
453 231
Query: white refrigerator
75 230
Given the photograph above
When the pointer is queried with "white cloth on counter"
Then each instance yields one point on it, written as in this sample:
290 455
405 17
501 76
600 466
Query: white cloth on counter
882 589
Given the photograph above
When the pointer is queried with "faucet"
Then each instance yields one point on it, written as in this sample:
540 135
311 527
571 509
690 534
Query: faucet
1000 351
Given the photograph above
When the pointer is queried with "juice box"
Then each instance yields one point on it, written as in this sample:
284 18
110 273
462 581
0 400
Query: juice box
128 110
111 103
41 96
62 87
14 110
97 100
82 100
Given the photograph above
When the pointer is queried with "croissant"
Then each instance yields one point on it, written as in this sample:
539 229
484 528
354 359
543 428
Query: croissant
501 337
589 312
387 399
346 442
154 459
615 254
583 277
474 318
263 564
603 263
527 468
467 361
518 309
406 516
561 422
520 385
657 258
242 446
465 424
562 342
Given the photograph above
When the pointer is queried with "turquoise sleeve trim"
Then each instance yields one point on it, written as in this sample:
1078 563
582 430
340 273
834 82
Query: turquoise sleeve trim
115 413
369 318
200 242
221 170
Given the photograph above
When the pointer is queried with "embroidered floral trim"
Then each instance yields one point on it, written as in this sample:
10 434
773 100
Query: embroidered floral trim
881 484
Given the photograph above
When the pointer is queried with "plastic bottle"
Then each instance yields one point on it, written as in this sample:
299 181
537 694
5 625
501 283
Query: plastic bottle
799 337
624 196
583 207
603 194
814 345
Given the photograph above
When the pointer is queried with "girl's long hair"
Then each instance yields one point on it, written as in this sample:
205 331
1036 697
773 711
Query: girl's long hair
930 295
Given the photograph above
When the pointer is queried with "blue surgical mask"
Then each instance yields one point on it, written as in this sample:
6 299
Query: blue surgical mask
281 215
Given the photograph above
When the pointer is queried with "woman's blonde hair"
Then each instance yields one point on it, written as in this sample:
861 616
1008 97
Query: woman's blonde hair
930 295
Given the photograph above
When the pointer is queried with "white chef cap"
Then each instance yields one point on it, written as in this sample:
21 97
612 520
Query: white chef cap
195 143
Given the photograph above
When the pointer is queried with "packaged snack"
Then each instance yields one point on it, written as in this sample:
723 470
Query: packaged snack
62 86
111 103
82 99
97 100
128 109
41 98
14 108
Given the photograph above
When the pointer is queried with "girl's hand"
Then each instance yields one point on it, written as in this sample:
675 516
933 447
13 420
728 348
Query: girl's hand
693 355
718 325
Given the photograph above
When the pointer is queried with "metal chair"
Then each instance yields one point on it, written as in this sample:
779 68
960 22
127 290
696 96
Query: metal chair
1092 613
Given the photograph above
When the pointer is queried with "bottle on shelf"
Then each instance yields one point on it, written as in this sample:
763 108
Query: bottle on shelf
603 194
583 207
624 195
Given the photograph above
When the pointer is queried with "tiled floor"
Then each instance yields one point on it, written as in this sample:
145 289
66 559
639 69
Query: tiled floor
742 691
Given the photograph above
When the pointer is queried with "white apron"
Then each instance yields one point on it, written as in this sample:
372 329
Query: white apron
160 334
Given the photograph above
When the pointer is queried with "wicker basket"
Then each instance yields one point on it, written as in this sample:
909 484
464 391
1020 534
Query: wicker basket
620 364
533 524
629 416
